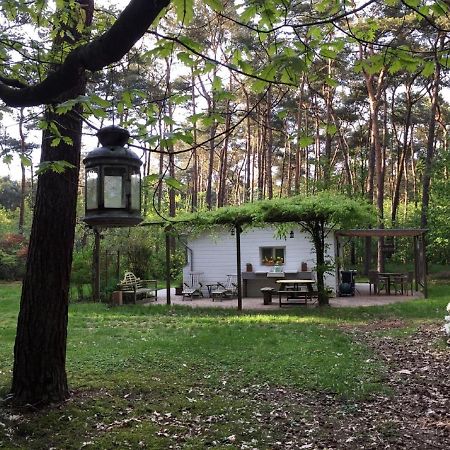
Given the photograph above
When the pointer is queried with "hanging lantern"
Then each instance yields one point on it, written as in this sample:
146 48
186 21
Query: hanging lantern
113 182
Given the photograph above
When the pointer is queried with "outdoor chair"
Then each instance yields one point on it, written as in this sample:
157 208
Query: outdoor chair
379 283
402 282
225 290
193 288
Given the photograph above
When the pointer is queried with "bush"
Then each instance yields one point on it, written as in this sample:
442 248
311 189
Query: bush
13 255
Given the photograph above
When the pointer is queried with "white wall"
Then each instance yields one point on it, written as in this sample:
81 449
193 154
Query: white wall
215 255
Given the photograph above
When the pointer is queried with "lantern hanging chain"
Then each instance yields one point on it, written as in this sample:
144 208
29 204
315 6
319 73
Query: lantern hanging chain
113 101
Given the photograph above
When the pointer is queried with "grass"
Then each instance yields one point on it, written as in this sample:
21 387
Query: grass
142 375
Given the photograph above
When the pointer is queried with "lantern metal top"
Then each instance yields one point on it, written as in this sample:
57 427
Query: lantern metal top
113 136
112 139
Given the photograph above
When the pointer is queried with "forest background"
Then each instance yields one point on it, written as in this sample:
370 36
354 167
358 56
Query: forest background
232 102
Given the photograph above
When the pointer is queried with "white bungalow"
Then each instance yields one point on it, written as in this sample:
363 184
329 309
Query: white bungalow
213 257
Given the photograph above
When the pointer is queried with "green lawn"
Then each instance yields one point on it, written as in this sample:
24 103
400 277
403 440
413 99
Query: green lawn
136 370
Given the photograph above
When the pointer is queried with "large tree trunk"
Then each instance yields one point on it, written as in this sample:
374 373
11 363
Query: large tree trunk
39 375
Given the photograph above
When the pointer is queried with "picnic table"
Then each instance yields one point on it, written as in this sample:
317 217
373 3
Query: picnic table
301 290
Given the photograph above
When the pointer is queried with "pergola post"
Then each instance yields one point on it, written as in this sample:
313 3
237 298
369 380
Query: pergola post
337 260
238 266
168 301
423 262
417 263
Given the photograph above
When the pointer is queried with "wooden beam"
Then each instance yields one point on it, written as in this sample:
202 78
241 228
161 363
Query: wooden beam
377 232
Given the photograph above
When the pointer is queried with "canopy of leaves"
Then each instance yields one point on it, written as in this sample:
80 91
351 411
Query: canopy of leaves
333 209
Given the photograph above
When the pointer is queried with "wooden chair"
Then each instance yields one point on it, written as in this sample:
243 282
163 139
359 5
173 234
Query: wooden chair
225 290
193 288
379 283
402 282
132 285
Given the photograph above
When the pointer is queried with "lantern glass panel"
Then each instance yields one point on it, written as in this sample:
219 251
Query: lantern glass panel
135 191
91 189
114 189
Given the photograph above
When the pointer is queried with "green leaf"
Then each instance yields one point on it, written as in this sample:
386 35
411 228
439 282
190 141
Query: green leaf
305 141
54 166
225 95
126 97
25 160
328 53
99 101
215 5
217 83
190 43
196 117
186 59
153 178
438 9
174 184
315 33
248 13
67 140
259 85
55 142
184 10
168 120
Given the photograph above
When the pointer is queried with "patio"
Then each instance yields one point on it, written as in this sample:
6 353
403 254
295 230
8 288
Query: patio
362 298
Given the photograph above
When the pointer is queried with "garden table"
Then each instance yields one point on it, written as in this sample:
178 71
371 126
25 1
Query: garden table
292 289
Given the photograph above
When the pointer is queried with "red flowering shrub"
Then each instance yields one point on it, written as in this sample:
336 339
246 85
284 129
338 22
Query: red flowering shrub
13 253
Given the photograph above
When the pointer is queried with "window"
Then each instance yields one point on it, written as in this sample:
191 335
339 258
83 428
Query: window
272 255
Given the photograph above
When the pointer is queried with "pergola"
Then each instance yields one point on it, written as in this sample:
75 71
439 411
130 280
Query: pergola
418 235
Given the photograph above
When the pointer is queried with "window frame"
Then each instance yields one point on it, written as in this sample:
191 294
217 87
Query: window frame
273 259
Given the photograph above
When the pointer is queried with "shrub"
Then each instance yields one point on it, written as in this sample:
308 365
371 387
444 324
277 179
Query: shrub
13 254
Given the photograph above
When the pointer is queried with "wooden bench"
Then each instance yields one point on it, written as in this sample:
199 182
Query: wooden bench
132 285
296 297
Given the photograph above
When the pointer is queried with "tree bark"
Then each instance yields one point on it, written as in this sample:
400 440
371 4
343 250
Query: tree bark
39 375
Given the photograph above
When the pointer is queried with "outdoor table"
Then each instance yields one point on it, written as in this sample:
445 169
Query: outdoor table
389 276
292 290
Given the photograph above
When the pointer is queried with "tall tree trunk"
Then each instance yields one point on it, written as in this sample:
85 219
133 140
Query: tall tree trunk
299 150
23 150
223 168
248 195
39 375
269 144
39 372
403 152
326 163
375 89
195 184
431 140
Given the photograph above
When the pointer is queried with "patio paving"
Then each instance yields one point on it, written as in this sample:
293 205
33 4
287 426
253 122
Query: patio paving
361 298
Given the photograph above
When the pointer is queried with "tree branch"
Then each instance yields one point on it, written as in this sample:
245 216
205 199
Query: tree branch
106 49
